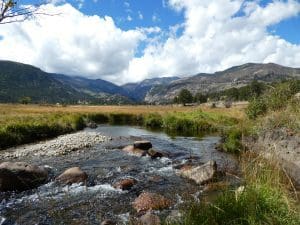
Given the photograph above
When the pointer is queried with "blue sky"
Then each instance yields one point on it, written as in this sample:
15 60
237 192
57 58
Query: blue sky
121 10
127 41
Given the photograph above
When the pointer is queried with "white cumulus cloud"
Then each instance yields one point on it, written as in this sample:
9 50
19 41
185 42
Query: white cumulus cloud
218 34
214 35
71 43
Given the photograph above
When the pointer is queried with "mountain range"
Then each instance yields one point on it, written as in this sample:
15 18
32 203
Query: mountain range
19 80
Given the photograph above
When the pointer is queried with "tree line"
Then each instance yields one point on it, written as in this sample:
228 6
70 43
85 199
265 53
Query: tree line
245 93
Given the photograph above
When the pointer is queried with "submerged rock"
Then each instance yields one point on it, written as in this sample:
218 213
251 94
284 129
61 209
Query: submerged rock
125 184
72 175
144 145
200 174
150 201
135 151
149 219
20 176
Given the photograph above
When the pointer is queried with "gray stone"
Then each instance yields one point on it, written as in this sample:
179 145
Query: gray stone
149 219
200 174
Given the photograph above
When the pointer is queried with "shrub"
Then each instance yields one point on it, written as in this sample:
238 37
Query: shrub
228 104
256 107
275 98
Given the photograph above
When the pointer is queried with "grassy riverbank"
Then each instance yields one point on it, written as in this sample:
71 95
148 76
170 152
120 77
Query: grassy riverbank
24 124
265 197
267 194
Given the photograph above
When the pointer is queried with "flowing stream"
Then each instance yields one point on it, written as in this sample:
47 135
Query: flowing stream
105 164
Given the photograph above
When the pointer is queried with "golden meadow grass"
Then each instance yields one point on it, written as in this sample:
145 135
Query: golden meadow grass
27 123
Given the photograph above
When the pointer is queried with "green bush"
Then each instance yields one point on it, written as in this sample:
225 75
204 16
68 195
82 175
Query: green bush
275 98
256 107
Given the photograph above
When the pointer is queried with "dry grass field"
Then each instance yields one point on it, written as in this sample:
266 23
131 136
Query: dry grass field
26 110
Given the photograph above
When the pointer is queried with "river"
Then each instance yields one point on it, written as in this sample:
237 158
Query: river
105 164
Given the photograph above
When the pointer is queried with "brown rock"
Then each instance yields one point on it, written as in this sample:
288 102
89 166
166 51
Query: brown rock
125 184
144 145
72 175
108 222
135 151
155 154
148 201
200 174
20 176
149 219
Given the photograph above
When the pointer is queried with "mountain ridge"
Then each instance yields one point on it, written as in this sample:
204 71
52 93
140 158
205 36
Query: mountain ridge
236 76
19 80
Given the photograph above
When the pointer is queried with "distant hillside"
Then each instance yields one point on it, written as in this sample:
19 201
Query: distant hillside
20 80
90 86
138 91
234 77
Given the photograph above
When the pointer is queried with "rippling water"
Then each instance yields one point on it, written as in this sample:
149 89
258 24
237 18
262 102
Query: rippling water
105 164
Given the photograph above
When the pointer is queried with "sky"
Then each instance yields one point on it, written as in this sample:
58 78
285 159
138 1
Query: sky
130 40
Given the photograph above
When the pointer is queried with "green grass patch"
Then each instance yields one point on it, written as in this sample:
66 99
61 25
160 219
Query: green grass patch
26 129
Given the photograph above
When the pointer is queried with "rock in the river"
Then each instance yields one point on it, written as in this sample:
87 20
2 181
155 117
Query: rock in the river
150 201
92 125
135 151
200 174
144 145
20 176
125 184
108 222
155 154
149 219
72 175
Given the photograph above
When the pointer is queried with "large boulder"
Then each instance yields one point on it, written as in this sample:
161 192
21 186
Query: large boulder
125 184
200 174
144 145
149 219
20 176
72 175
150 201
134 151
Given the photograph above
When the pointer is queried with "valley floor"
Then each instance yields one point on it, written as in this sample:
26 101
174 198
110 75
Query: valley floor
268 195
